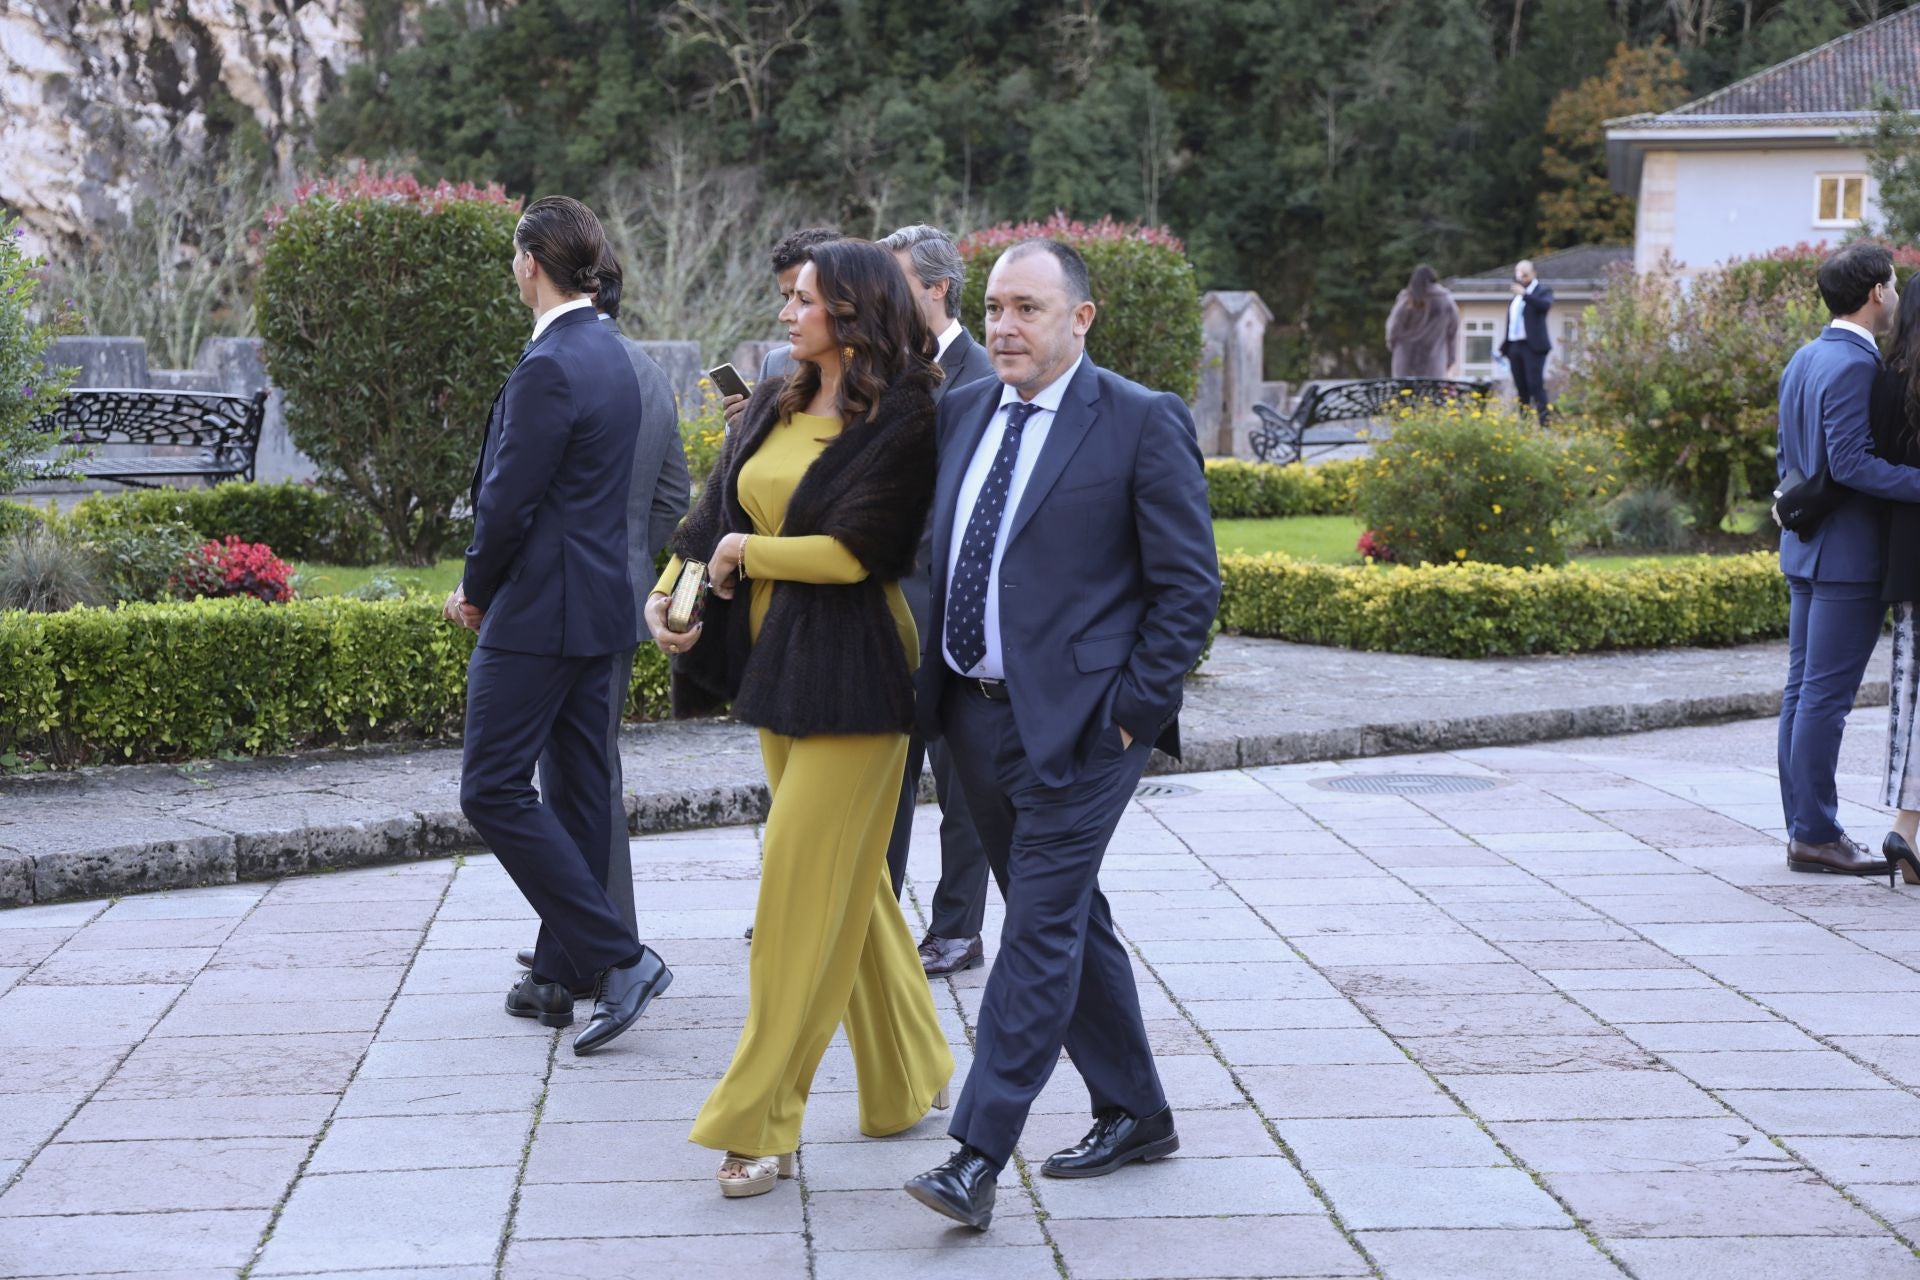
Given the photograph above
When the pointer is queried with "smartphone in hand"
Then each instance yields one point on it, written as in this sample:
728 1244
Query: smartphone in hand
727 380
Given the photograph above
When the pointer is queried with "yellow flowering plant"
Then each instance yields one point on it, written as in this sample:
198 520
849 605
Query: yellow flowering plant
1484 483
702 433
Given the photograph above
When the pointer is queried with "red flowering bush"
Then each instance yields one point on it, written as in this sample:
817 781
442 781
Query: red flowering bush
235 568
1147 325
1373 548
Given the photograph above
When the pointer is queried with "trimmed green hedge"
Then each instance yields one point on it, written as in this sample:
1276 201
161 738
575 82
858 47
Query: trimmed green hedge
1481 610
298 521
1239 490
167 681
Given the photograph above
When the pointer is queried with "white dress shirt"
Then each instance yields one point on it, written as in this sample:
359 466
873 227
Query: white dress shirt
1517 314
946 338
540 325
1851 327
1033 438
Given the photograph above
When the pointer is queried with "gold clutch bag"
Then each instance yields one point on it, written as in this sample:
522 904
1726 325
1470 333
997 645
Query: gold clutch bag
689 599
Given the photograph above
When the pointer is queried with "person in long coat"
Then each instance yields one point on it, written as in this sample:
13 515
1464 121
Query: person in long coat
1423 329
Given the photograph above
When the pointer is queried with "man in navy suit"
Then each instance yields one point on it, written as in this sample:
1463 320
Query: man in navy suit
1834 570
1527 341
1074 582
547 589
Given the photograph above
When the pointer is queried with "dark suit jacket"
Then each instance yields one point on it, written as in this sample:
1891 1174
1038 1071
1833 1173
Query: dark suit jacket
548 564
1825 395
1533 314
965 361
1109 580
1894 440
659 493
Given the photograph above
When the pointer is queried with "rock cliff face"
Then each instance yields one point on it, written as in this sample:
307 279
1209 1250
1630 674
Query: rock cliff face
87 87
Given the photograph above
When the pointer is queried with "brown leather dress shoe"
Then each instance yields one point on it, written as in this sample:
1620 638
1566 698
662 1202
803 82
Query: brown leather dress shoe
942 956
1842 857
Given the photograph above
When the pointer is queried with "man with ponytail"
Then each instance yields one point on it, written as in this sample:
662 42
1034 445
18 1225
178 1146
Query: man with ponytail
547 588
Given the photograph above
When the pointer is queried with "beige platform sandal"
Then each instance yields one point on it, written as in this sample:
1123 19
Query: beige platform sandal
943 1099
754 1175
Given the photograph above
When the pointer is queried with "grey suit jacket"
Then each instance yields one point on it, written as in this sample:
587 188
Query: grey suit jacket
777 363
964 361
658 495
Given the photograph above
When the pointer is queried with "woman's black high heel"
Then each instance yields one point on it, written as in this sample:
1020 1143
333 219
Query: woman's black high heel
1900 857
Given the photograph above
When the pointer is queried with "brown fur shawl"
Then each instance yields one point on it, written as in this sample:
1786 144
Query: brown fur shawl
829 658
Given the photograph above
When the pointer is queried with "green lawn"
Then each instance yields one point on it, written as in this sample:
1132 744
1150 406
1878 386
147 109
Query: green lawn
333 579
1331 539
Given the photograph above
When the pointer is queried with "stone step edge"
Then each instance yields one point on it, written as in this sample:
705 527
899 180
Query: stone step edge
139 867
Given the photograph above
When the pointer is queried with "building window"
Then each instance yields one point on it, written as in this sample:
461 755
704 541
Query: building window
1837 199
1479 342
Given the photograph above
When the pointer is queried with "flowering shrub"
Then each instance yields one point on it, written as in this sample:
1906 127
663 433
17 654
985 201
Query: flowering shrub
1478 482
390 320
235 568
1690 371
703 433
1373 549
1147 325
27 389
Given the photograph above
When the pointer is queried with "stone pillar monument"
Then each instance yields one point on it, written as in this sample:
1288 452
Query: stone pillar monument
1234 328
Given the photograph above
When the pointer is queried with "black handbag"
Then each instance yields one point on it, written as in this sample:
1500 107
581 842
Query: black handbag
1802 503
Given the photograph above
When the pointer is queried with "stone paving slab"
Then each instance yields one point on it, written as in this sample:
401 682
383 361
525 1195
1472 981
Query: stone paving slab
109 829
1379 1064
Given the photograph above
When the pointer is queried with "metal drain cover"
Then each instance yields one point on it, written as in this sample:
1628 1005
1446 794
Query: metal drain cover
1405 784
1163 790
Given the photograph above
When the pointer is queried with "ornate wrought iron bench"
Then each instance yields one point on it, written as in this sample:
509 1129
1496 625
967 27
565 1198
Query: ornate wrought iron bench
1329 415
201 435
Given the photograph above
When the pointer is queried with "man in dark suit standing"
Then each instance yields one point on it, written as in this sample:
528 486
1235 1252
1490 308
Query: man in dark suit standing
1834 570
656 500
1074 581
936 274
546 587
1528 341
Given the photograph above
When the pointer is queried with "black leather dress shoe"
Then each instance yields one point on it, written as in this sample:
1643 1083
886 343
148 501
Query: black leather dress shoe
962 1188
942 956
1842 857
548 1001
1115 1139
525 956
623 996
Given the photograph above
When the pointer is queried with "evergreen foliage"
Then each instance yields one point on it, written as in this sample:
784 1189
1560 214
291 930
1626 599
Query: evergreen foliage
390 320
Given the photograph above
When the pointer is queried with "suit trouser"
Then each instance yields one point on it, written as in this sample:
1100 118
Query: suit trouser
557 789
960 902
1529 376
1832 628
1062 976
520 707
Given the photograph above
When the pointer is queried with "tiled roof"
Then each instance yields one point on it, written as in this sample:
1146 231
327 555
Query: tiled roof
1839 76
1582 264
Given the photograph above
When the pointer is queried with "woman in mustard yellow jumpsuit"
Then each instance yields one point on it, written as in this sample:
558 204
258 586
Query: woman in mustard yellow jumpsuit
822 488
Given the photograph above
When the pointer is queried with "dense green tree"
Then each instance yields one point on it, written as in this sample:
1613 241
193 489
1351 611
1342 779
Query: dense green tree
1314 152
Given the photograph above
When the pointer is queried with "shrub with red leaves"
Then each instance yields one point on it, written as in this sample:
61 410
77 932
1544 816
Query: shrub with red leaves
235 568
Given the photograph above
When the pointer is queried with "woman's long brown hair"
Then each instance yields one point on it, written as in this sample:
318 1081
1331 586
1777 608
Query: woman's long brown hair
873 313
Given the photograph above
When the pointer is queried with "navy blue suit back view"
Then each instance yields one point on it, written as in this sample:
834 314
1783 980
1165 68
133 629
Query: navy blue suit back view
548 569
548 563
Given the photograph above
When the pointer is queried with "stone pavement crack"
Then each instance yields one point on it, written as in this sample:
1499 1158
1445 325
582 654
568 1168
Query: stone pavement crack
526 1155
293 1183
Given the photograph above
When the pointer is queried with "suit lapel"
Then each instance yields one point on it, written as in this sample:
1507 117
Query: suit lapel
969 427
1070 426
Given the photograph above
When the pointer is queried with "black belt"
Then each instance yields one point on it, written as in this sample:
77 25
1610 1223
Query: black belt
991 690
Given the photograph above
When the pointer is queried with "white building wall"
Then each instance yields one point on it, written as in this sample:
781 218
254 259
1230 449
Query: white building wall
1706 207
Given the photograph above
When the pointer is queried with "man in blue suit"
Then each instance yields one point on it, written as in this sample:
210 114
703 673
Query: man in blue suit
1527 341
546 586
1834 570
1074 582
